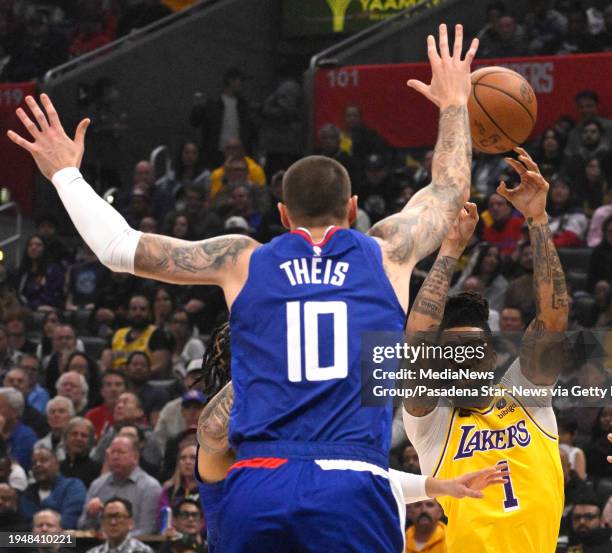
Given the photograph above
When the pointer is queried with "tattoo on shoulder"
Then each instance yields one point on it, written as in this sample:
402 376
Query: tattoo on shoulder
397 234
162 254
213 424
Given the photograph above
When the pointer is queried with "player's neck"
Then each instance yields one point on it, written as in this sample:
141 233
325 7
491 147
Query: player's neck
317 234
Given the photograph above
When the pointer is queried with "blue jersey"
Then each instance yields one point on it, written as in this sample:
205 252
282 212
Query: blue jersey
296 330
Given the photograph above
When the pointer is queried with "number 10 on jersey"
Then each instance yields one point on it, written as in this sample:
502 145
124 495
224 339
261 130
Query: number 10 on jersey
310 345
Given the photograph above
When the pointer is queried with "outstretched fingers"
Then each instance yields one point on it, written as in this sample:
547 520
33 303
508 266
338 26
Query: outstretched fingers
458 47
443 40
432 51
50 109
471 53
37 112
20 141
28 123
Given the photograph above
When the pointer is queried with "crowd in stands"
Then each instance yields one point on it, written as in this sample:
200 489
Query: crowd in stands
97 414
38 35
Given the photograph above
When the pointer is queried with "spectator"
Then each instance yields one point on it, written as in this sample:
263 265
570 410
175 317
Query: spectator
604 38
185 347
64 342
243 203
11 519
79 439
595 188
174 445
577 39
192 403
586 534
81 363
493 12
114 383
410 460
117 523
545 26
171 422
57 252
507 40
519 292
148 225
140 335
19 438
487 171
485 263
127 480
575 456
183 483
181 227
188 171
15 323
357 140
476 285
328 145
512 319
18 379
223 118
129 410
280 136
112 307
593 143
8 357
38 49
138 372
48 521
186 529
587 104
502 227
237 168
8 296
573 487
598 447
73 386
36 395
568 224
40 282
84 281
378 192
50 320
59 412
427 533
11 472
90 33
163 305
550 150
52 490
600 265
142 440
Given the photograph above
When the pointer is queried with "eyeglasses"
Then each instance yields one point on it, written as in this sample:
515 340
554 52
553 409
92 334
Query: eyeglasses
116 517
188 514
585 516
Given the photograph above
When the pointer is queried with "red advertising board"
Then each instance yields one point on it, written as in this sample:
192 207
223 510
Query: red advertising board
16 165
406 119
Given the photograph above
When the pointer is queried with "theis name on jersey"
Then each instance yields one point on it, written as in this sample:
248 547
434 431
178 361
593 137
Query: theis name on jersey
473 441
315 270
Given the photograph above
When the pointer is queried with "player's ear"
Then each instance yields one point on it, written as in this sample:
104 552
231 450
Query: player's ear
282 209
352 210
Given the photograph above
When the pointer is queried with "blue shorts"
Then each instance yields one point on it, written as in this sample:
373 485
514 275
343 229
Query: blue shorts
280 505
211 496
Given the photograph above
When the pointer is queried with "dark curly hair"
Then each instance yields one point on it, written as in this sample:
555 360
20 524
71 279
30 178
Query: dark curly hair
466 309
216 363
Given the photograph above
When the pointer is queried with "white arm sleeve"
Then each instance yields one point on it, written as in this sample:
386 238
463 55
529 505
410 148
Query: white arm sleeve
412 485
99 224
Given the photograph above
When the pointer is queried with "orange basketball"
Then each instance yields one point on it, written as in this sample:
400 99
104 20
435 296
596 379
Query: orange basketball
503 109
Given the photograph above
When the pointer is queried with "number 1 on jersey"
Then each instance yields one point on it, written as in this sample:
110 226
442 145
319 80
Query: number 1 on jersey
511 502
313 371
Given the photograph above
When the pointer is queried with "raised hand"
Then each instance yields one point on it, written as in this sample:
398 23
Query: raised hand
51 149
450 82
529 197
462 229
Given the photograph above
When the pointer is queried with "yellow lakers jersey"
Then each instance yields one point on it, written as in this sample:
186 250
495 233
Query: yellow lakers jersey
521 516
122 347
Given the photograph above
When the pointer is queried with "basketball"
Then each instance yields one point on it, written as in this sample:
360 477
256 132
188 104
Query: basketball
503 109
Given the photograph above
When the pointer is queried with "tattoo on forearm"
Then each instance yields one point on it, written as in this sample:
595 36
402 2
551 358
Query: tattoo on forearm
431 299
420 227
548 276
213 424
162 255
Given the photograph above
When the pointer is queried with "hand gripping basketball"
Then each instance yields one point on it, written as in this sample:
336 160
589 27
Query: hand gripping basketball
450 83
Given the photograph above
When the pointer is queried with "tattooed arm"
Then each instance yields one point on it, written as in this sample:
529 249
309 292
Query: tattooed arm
182 262
428 308
213 424
420 227
543 347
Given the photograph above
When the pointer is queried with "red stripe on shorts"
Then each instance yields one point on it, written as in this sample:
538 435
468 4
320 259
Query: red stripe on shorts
259 463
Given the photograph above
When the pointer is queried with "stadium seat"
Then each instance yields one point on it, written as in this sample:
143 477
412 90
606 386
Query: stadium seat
94 346
584 310
575 258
